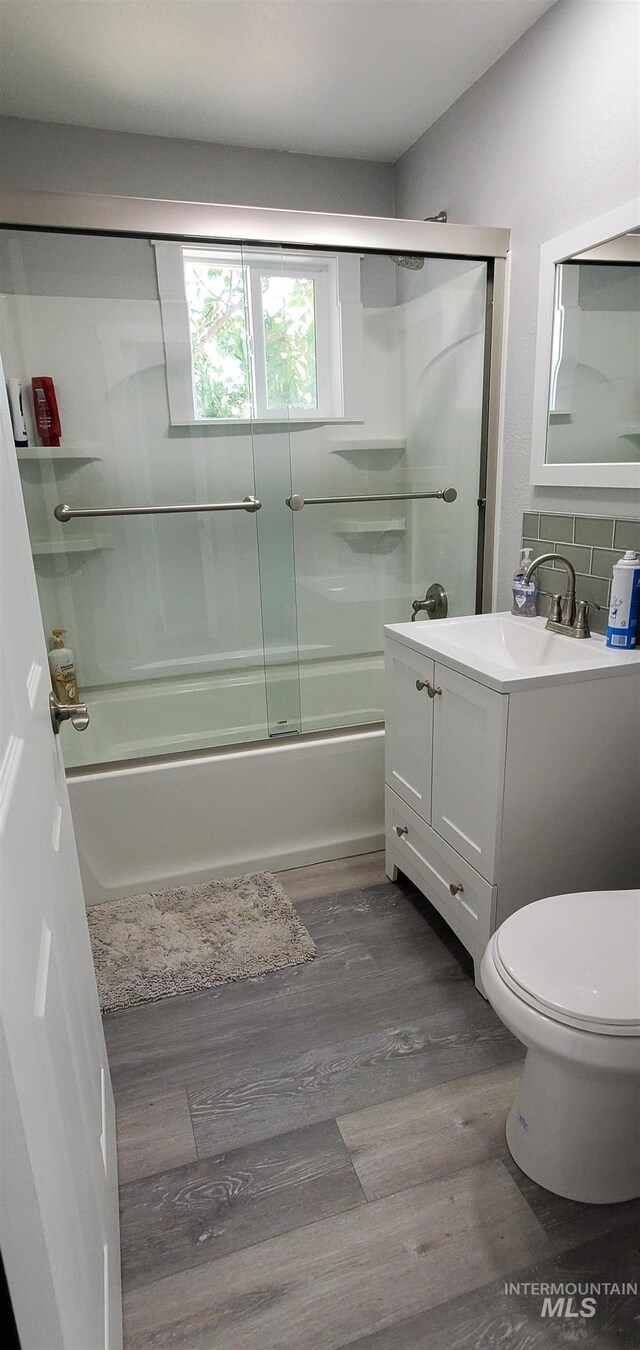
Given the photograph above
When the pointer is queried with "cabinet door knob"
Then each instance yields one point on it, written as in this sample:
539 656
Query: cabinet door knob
401 829
422 684
456 890
433 689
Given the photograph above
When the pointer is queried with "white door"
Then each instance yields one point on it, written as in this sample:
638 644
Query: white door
409 721
469 746
59 1232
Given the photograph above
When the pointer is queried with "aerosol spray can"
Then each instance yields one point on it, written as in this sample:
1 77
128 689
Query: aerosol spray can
625 602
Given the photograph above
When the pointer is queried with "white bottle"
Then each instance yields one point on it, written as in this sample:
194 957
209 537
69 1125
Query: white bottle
525 593
14 391
625 602
63 670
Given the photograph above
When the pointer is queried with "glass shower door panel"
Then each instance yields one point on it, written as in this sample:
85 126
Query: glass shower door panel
281 314
162 611
362 564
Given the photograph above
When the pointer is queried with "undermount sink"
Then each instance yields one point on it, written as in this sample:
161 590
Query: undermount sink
506 651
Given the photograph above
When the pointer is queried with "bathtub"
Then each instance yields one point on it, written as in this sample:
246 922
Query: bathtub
234 707
198 791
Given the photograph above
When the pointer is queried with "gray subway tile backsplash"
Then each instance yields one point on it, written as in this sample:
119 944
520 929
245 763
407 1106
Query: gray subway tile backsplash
559 528
531 524
594 530
576 554
592 543
627 534
603 561
537 546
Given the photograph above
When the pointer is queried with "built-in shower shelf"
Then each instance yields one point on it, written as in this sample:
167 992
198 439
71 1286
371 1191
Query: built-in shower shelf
397 443
71 455
60 548
372 526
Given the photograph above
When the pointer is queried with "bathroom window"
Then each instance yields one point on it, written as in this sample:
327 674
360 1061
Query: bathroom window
259 334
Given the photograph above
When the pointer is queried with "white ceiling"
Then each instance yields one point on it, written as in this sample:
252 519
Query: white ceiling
339 77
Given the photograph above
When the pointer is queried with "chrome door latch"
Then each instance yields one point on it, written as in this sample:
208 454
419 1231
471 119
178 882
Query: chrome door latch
75 713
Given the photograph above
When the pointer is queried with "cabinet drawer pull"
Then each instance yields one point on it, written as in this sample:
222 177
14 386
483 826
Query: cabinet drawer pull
401 829
456 890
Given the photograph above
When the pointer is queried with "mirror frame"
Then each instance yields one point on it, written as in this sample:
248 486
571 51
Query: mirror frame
599 231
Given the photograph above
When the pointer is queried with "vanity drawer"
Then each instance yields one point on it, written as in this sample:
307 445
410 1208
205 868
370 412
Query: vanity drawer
436 868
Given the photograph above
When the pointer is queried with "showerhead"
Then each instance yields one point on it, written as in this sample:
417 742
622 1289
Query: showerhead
408 260
411 261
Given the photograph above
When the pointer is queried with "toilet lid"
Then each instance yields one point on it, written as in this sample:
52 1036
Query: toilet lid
577 956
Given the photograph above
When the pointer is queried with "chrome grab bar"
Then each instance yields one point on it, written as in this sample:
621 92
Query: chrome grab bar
296 501
63 513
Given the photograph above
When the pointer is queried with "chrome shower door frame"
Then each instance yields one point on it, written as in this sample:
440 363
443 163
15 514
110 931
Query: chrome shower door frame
147 217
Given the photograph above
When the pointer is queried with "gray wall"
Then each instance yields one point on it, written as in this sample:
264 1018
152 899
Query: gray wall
546 140
49 157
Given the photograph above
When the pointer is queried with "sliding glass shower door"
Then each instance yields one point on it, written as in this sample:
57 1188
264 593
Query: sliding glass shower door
160 605
386 509
266 454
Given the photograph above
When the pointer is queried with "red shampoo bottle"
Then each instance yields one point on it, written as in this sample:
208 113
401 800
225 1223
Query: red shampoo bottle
46 409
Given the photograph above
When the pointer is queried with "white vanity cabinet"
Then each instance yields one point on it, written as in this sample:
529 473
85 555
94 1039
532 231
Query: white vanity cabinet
494 799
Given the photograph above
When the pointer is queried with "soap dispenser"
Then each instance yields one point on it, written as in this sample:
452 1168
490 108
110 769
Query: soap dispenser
63 670
525 593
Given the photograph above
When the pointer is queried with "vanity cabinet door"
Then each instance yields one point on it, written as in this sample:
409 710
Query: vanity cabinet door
469 745
409 726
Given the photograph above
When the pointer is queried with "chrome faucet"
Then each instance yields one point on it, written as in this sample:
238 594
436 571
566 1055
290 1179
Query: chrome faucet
564 617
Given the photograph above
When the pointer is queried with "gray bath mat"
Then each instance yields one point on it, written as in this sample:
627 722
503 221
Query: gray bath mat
193 937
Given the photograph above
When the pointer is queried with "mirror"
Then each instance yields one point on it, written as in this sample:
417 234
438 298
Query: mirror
586 429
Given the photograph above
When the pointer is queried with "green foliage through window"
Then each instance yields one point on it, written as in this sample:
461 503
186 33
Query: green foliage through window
217 320
288 308
220 305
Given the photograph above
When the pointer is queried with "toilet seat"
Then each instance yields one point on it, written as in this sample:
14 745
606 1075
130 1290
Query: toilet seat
576 959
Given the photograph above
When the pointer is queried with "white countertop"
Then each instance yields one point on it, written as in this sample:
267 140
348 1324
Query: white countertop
508 652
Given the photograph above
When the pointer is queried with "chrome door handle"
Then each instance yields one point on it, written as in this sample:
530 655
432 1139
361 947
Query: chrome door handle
456 890
401 829
76 713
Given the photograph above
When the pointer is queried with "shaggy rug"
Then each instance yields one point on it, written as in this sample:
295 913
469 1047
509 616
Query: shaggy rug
193 937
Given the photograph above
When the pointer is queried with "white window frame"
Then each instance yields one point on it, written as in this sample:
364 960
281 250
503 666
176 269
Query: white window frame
338 324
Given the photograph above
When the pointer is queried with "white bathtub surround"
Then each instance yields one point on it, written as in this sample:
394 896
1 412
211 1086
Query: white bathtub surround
563 975
194 937
272 806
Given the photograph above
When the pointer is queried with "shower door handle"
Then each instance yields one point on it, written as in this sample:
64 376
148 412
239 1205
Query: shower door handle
63 513
296 501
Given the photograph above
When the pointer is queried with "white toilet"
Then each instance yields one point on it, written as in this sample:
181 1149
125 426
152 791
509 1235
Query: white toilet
563 974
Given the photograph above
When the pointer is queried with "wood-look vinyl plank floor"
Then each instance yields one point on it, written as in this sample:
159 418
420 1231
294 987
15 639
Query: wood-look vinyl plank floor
330 1080
316 1159
197 1213
363 983
406 1140
494 1317
154 1133
356 1272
